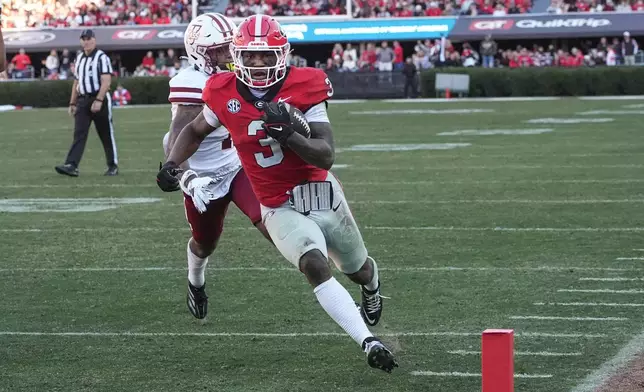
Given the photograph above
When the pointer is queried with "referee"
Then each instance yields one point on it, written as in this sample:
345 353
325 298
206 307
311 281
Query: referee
90 101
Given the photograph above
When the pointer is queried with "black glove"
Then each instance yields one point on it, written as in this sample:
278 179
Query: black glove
167 177
277 121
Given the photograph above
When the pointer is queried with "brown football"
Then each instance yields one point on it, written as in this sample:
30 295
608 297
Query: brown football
298 121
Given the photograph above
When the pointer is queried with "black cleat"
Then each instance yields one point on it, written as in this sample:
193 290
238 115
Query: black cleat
112 171
371 308
197 301
67 169
379 356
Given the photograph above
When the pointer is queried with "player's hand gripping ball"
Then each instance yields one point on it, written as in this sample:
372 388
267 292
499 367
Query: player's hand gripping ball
281 120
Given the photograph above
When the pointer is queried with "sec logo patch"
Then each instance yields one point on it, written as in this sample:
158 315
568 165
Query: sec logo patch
233 106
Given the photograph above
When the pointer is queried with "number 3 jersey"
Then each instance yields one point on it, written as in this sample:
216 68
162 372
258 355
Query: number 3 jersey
216 155
273 170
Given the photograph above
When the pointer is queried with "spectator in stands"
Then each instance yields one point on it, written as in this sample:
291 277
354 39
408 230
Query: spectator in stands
368 57
629 49
385 58
488 50
171 58
160 62
52 63
121 96
349 59
148 60
3 55
399 56
20 63
638 6
624 6
65 62
611 57
174 70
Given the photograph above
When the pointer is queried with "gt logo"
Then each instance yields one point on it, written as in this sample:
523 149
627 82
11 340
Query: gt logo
502 24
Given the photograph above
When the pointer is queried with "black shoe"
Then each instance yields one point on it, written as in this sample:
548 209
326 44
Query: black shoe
112 171
197 301
371 308
379 356
67 169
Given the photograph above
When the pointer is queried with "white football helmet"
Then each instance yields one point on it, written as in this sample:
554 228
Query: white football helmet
206 40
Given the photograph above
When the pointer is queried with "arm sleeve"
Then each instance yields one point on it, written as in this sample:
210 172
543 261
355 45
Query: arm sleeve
317 113
211 117
105 65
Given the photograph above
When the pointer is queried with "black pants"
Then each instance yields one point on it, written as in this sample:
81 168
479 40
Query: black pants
103 122
410 84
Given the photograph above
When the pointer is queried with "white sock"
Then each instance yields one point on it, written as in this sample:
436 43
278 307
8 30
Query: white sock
373 285
338 304
196 269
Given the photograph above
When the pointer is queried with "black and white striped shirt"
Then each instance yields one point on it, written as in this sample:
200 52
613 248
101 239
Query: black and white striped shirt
89 70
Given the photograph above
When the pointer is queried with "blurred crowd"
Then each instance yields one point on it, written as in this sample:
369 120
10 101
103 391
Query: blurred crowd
429 54
562 6
73 13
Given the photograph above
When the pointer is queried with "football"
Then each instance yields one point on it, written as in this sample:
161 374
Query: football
298 121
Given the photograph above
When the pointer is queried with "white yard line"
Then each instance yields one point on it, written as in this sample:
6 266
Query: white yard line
566 318
457 100
601 291
429 373
631 350
639 250
358 183
277 335
501 201
620 279
377 228
592 304
629 258
522 353
289 269
612 98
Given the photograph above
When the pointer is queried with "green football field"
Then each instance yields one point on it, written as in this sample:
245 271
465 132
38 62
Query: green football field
535 227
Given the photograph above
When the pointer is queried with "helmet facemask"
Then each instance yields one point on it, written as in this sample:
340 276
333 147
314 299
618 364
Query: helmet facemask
216 58
260 66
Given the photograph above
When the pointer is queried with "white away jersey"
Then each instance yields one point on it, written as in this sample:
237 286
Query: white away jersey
216 154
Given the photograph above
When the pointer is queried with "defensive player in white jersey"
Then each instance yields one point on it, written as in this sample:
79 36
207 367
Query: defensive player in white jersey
213 176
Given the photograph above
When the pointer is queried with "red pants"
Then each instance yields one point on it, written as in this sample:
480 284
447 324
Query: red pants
207 227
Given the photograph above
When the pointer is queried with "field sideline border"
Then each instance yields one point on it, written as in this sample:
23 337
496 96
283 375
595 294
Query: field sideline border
423 100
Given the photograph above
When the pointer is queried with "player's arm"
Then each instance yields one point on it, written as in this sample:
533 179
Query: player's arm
183 116
184 147
319 150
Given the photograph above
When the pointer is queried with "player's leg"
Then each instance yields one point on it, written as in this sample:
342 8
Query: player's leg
82 121
244 198
347 250
206 229
301 241
105 130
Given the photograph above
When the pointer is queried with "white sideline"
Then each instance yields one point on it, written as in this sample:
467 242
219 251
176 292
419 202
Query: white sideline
356 183
568 318
607 304
629 258
621 279
503 201
282 335
461 374
287 269
521 353
604 291
632 349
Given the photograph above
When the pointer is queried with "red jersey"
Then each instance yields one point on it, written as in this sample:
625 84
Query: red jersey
273 170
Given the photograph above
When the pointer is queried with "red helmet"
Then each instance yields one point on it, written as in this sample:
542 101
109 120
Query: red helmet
260 34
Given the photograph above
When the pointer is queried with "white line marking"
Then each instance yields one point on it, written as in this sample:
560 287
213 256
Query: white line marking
606 304
420 111
630 258
617 112
632 349
403 147
461 374
287 269
604 291
361 183
503 201
457 100
489 132
281 335
611 98
521 353
611 279
568 318
639 250
551 120
635 106
384 228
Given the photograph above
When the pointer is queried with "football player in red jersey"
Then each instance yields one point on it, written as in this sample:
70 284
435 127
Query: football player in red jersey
303 205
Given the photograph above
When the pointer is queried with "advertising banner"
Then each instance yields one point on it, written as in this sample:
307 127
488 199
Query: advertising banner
571 25
166 36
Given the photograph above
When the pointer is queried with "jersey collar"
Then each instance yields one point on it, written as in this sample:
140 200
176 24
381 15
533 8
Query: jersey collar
245 93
